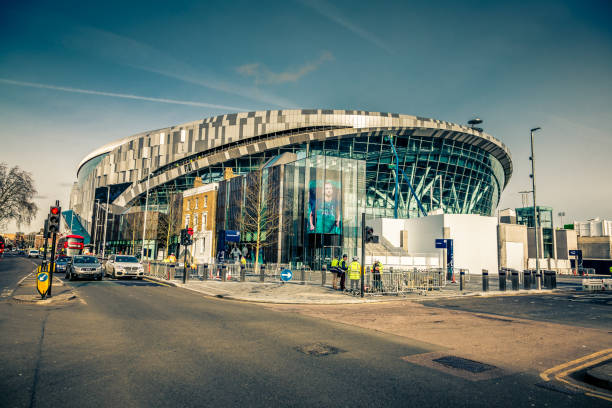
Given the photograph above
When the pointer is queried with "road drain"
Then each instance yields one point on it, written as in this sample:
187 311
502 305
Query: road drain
318 349
464 364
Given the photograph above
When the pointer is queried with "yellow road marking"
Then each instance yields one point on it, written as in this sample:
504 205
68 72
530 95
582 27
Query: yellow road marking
159 283
588 391
544 375
563 370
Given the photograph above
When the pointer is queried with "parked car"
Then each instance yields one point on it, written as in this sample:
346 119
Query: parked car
84 266
33 253
61 263
119 266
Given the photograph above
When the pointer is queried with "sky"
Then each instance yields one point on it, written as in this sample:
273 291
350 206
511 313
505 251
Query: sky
76 75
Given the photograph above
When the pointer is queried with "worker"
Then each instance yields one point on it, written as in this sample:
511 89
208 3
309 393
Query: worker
172 258
333 268
355 274
243 261
377 270
343 269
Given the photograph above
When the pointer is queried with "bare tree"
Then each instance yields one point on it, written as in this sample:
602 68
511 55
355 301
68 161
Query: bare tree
261 218
16 194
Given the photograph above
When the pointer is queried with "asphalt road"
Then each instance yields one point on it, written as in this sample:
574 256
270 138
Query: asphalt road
582 309
139 344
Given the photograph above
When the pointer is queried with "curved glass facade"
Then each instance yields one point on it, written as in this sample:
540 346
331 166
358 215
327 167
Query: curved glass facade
455 176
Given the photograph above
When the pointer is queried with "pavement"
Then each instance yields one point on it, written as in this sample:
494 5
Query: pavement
296 293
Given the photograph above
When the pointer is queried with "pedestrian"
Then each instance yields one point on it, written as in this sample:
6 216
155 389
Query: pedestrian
377 269
342 271
354 274
333 268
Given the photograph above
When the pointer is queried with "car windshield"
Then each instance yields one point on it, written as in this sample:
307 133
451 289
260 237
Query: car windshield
126 259
85 259
63 259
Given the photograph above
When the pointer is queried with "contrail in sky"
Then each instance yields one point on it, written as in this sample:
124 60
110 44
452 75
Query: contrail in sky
327 10
120 95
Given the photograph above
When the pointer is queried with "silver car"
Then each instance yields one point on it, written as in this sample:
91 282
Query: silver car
84 266
124 266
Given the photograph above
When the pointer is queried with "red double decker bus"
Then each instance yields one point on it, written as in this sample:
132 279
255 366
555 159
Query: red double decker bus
70 245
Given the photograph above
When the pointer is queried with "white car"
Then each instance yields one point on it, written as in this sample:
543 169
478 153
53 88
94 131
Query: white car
33 253
120 266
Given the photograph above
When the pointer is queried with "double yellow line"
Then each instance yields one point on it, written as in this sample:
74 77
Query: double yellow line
563 371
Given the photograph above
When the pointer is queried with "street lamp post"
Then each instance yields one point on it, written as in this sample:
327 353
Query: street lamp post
535 211
144 226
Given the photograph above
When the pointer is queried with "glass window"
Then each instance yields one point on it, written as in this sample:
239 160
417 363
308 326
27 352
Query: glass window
183 135
162 138
205 201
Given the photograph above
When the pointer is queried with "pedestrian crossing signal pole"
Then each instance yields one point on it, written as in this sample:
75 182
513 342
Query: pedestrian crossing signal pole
363 242
54 227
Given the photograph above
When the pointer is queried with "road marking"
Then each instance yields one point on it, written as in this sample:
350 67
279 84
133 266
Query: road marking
159 283
562 371
544 375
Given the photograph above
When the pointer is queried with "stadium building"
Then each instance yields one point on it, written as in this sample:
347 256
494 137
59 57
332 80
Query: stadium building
393 165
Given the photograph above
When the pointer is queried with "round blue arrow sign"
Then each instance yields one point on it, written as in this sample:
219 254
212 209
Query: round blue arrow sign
43 277
286 275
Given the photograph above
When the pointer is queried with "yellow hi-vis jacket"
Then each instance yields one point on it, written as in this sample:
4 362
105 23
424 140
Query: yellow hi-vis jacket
377 267
334 263
354 271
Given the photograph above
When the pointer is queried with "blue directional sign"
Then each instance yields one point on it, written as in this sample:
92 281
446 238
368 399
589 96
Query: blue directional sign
575 252
440 243
286 275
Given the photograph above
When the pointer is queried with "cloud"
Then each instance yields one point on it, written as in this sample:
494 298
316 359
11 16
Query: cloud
121 95
331 13
263 75
135 54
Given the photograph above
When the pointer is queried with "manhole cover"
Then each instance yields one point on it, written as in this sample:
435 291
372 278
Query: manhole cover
464 364
318 349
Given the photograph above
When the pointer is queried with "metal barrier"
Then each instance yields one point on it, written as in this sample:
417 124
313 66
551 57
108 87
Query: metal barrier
399 282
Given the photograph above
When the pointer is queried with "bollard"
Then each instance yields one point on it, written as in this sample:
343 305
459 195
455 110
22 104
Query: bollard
485 280
262 273
242 273
461 279
553 279
526 279
502 280
223 272
547 280
303 275
205 275
323 275
515 280
538 281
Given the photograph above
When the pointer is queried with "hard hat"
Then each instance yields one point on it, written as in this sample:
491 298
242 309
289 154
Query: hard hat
354 258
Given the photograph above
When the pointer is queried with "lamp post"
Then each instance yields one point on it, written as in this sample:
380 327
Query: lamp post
535 211
144 226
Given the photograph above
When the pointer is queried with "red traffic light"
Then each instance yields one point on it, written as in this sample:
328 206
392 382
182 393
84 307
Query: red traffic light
190 231
55 210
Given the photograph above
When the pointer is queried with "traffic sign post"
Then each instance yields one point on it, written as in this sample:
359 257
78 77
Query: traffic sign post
42 282
286 275
447 244
577 253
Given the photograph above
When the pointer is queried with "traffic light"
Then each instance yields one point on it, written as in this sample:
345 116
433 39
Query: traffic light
54 219
186 239
370 237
